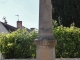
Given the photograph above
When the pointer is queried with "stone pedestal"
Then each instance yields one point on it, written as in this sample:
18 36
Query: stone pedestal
45 49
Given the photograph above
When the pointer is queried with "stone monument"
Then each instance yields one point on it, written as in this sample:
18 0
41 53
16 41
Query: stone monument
45 42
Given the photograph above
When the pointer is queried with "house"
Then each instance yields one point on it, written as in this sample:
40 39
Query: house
6 28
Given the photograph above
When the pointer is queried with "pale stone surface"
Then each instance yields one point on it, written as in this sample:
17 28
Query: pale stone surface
45 53
45 50
48 43
45 19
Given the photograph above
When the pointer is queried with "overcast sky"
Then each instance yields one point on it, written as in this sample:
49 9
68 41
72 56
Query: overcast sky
28 11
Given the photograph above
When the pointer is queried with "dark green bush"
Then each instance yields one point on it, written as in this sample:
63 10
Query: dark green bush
18 44
68 42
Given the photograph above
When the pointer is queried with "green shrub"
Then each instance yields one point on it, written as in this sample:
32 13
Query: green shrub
68 42
18 44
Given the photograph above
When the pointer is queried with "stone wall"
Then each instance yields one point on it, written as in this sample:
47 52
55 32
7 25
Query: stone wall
68 59
56 59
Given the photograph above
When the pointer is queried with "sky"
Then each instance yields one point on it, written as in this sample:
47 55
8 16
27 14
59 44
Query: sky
28 11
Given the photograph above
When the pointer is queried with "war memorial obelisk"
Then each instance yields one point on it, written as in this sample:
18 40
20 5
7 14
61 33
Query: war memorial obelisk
46 42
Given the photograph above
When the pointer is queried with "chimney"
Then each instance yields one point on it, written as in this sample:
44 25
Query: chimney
5 21
32 29
19 24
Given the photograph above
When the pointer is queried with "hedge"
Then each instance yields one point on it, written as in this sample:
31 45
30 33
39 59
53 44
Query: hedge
68 42
18 44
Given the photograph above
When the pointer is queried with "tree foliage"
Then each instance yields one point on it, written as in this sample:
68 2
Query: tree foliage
18 44
66 12
68 42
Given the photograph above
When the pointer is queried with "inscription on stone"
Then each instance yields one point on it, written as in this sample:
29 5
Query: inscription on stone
45 29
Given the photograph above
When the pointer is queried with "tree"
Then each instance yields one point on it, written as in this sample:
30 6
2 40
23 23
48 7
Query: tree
66 12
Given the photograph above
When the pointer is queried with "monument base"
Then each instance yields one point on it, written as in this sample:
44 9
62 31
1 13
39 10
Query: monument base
45 49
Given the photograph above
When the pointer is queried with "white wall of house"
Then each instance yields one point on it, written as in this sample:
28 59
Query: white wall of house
3 29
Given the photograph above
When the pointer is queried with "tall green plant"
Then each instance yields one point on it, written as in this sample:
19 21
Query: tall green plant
68 42
18 44
66 12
